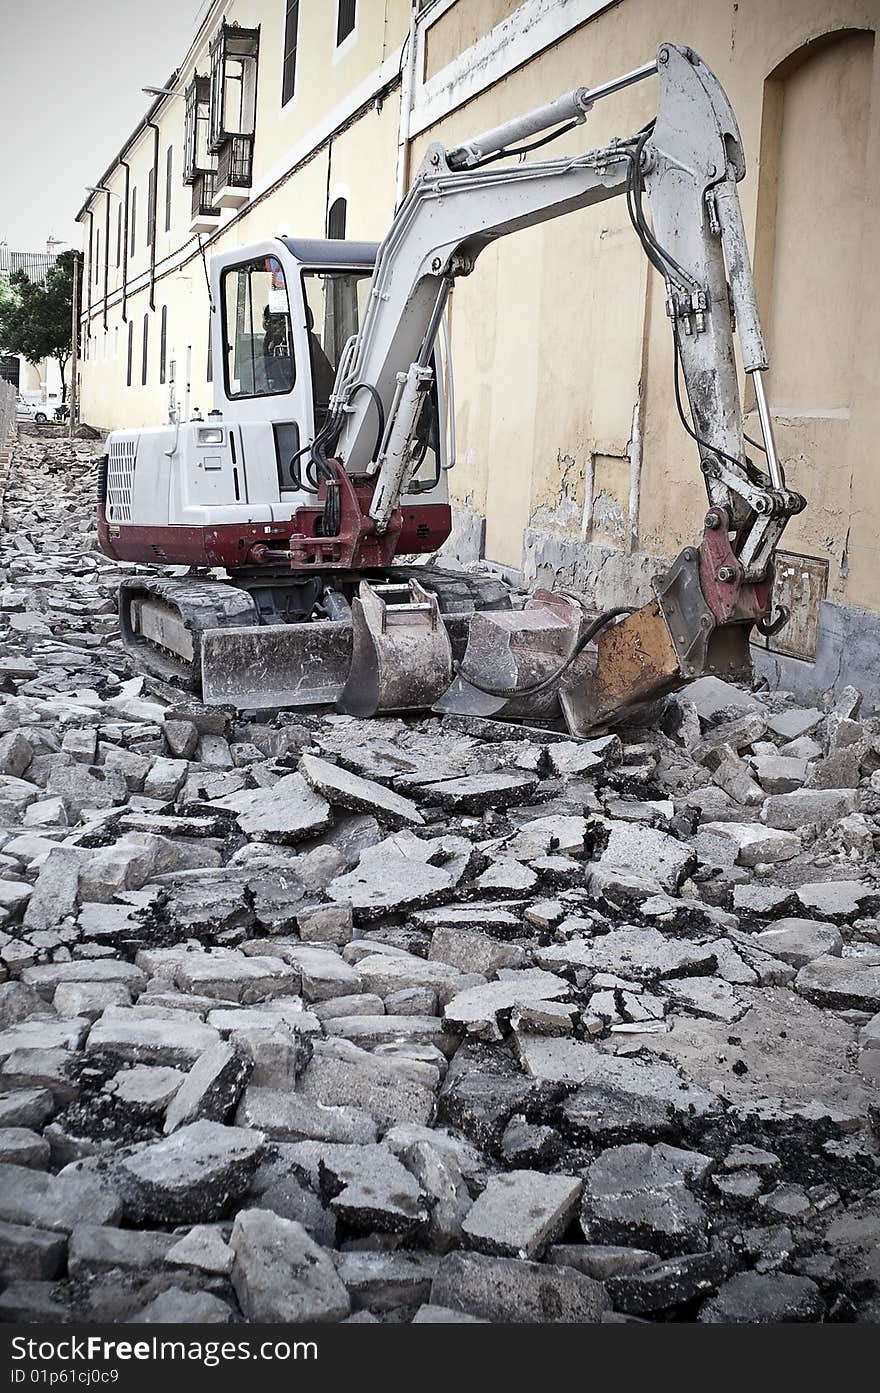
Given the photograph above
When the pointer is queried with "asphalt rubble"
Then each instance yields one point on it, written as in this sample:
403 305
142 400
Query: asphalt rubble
316 1019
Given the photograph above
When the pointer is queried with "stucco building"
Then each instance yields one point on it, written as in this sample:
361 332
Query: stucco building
311 116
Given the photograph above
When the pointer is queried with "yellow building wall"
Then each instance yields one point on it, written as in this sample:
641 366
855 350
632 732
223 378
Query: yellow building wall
334 88
561 341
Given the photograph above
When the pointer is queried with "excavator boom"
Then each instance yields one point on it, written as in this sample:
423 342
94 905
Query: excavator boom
364 453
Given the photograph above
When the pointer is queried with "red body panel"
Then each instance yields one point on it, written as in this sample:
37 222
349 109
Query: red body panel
424 528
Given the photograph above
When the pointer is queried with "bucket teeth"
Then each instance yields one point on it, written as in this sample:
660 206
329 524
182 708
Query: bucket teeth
402 656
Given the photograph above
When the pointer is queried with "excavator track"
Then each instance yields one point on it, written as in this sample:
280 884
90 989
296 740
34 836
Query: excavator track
214 639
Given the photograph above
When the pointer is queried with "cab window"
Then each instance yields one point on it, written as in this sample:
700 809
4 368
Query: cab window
259 349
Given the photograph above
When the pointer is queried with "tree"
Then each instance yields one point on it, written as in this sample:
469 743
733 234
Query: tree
35 320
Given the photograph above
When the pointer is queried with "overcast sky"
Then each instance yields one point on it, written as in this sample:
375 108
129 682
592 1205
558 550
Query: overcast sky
70 94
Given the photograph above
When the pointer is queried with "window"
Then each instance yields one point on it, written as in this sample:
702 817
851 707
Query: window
97 252
259 353
336 218
345 17
130 352
163 343
119 235
233 83
169 165
144 353
291 35
336 302
133 221
115 342
151 208
209 373
195 129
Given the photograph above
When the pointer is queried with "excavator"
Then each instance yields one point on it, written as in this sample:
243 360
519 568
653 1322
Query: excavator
283 530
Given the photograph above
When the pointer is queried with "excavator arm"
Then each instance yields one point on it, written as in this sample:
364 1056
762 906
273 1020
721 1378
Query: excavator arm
685 165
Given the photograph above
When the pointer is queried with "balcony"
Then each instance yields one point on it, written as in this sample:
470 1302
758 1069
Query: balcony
205 213
234 166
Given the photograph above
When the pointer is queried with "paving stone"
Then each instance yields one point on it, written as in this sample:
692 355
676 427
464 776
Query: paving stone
637 1194
47 977
706 996
841 983
822 807
147 1088
520 1213
288 811
794 722
365 1186
89 999
676 1282
477 1011
385 973
643 955
281 1275
324 974
177 1306
387 1281
387 880
20 1146
291 1117
192 1175
210 1089
511 1291
30 1254
82 786
753 1298
430 1314
600 1260
645 851
799 941
139 1039
95 1249
347 790
26 1107
55 891
750 843
56 1202
507 876
390 1090
472 793
326 923
836 899
615 1097
203 1249
780 773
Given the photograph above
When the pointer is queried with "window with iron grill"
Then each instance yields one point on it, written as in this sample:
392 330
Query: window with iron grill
336 218
345 17
163 344
144 353
233 83
97 252
291 38
169 164
130 352
119 235
195 129
133 221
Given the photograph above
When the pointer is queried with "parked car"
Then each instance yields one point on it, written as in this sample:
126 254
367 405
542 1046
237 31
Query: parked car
29 410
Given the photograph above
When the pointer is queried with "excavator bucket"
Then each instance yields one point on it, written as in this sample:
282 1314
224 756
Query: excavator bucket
510 651
402 655
265 667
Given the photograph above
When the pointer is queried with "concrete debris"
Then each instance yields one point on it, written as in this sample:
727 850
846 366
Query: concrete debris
304 1018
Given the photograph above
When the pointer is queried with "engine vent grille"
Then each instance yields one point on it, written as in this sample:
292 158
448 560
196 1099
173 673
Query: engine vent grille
120 477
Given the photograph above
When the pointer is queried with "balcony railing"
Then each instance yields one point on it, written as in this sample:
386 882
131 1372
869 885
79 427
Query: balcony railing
235 162
203 188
